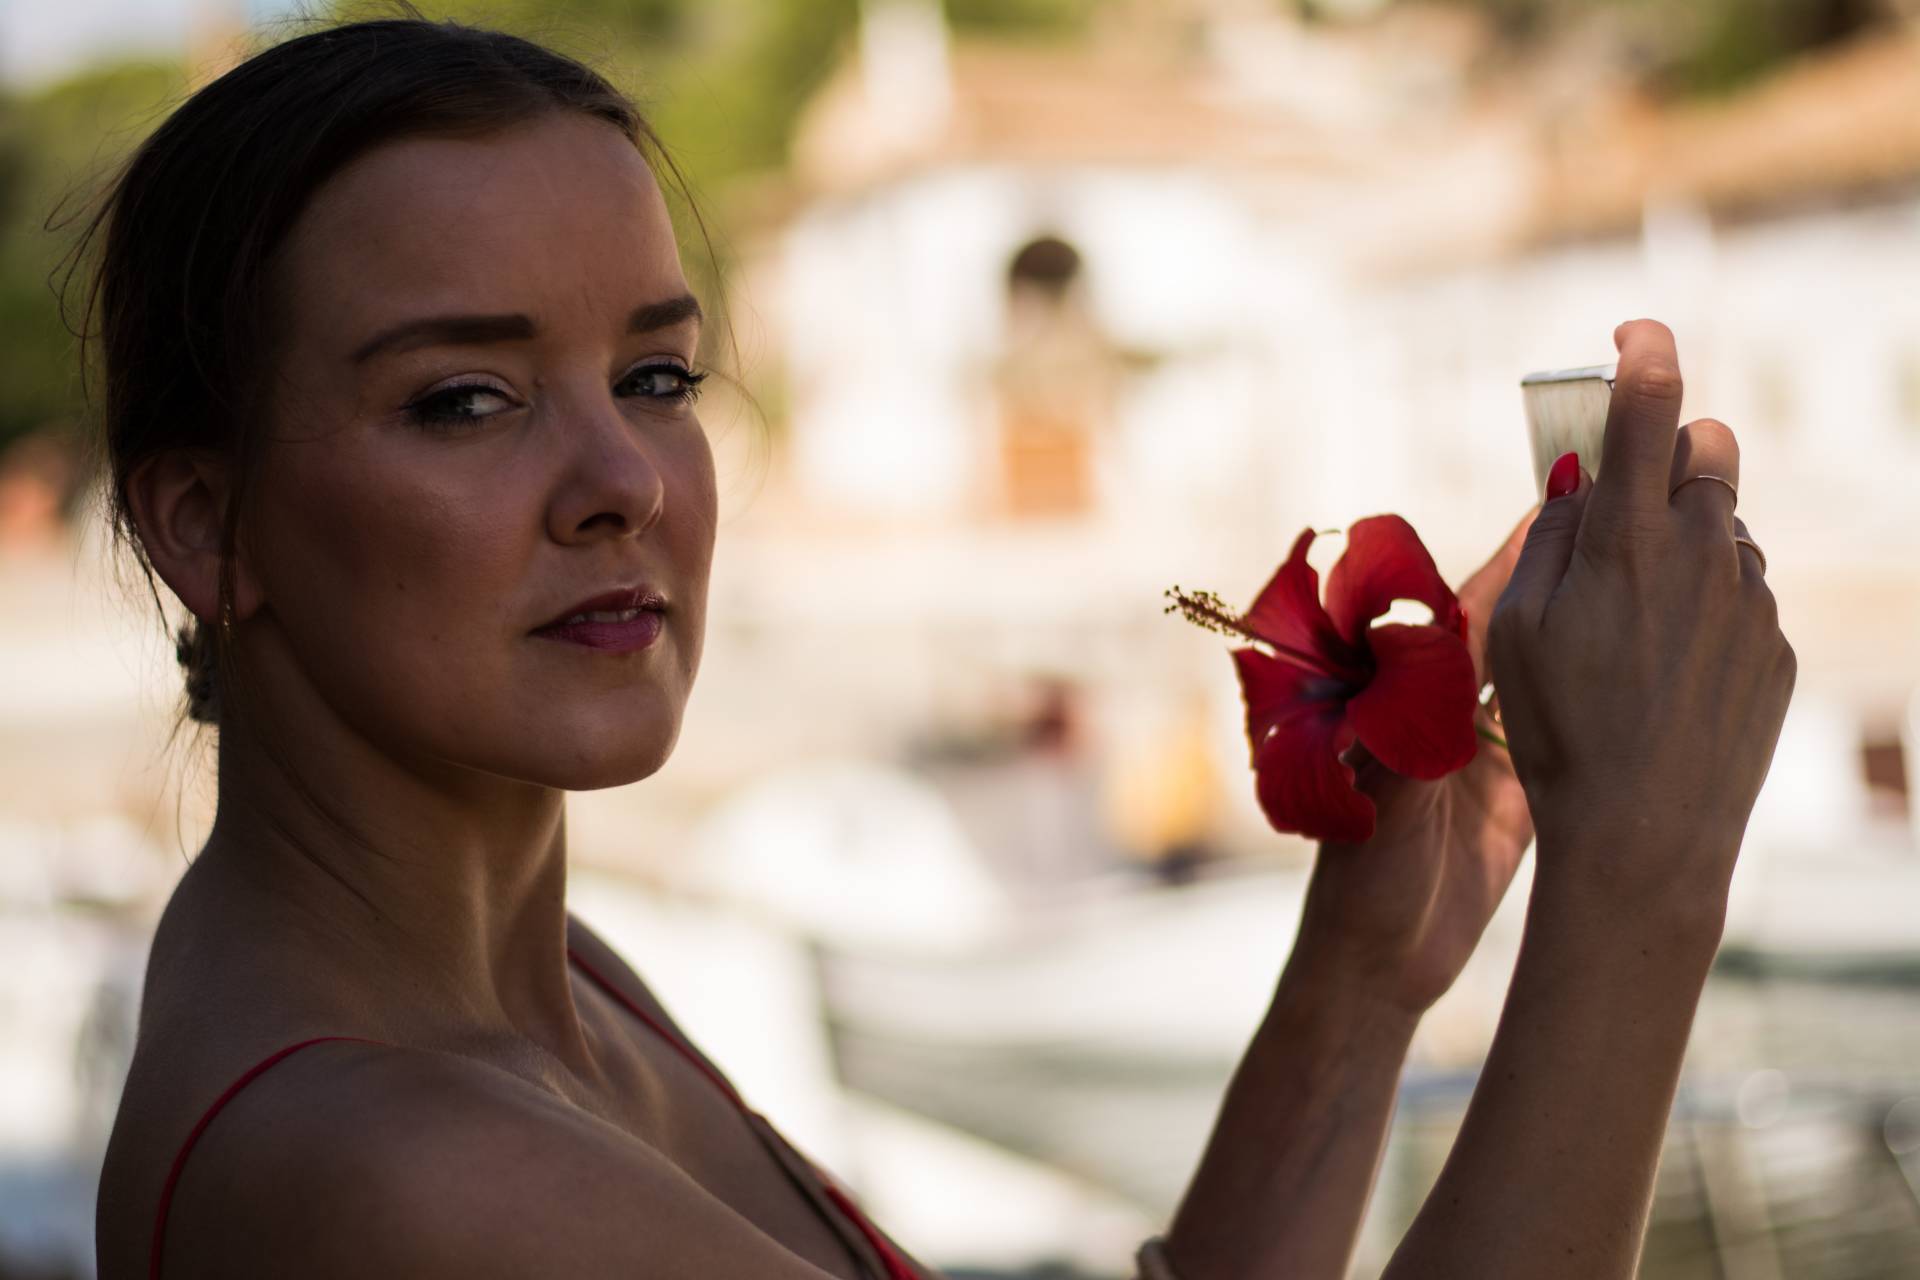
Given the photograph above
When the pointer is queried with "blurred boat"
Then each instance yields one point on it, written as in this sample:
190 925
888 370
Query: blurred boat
1098 1036
1095 1035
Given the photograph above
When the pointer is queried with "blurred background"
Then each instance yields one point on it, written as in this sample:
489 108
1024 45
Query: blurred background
1040 307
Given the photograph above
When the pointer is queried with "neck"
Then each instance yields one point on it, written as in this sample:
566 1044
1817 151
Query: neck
427 897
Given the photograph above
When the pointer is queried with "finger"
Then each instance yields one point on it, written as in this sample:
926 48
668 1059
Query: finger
1481 591
1547 551
1637 454
1705 452
1753 564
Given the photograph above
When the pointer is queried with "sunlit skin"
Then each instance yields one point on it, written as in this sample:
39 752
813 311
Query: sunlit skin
411 888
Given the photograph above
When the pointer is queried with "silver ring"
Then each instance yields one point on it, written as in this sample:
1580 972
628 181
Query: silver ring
1749 542
1731 488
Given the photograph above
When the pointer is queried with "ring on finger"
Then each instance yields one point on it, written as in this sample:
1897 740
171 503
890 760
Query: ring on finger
1731 488
1743 540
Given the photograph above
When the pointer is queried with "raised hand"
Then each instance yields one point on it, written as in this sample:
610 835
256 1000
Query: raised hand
1387 925
1639 656
1402 912
1643 681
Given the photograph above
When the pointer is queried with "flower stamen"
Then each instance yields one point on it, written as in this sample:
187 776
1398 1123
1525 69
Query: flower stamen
1208 611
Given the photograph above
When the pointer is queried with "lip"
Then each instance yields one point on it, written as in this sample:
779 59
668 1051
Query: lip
641 596
637 633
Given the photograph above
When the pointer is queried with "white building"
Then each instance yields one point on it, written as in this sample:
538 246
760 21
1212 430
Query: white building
1291 278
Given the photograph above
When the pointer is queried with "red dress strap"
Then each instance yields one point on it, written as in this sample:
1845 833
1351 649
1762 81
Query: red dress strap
898 1268
665 1032
206 1118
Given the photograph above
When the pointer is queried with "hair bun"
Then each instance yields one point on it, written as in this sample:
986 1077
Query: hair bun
193 650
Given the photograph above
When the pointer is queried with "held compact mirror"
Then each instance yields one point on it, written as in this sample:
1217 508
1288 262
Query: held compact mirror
1567 413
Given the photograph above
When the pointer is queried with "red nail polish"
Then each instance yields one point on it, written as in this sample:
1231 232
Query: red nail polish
1564 478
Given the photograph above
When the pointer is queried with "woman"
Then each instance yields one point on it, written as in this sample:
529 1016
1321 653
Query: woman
400 371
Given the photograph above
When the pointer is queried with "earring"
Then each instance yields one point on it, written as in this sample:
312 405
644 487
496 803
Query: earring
226 617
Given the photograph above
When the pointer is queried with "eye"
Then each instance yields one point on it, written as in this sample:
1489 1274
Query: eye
668 383
449 408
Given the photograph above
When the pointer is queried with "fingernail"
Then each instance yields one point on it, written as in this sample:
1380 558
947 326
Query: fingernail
1564 478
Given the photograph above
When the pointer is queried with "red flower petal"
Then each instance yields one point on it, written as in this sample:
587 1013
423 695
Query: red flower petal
1385 561
1287 614
1297 725
1416 714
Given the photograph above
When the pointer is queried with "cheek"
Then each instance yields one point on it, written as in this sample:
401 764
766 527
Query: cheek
393 576
696 521
389 567
703 487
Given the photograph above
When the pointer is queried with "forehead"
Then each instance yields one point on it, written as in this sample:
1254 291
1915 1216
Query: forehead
562 210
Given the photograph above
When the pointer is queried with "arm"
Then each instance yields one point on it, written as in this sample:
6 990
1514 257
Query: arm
1557 1156
1284 1181
1283 1185
1644 680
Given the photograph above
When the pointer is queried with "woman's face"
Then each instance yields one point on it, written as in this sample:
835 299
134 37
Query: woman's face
483 420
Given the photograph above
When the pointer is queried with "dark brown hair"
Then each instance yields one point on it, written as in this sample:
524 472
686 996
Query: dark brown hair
192 220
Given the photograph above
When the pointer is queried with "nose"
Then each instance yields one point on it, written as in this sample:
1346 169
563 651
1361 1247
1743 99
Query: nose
612 485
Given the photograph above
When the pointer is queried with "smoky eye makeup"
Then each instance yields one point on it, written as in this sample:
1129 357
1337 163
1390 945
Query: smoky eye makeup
451 408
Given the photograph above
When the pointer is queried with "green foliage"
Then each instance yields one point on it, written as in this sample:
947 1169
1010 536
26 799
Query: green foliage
733 110
1729 43
724 80
692 62
1020 17
56 146
1700 46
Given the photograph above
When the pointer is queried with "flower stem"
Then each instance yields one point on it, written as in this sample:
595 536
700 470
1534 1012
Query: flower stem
1491 736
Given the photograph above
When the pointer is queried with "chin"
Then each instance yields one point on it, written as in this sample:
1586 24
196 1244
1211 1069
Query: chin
595 757
601 774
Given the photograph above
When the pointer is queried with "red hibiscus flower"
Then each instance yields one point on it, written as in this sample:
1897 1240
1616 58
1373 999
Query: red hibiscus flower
1324 678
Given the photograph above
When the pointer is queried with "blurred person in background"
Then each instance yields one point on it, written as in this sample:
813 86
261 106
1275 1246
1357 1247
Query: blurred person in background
400 368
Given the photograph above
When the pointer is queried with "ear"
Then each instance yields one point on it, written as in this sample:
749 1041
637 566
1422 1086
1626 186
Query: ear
179 502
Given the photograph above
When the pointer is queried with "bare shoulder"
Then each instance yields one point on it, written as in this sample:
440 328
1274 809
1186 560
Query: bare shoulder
369 1160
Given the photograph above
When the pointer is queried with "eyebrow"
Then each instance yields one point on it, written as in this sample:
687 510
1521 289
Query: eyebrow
475 330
